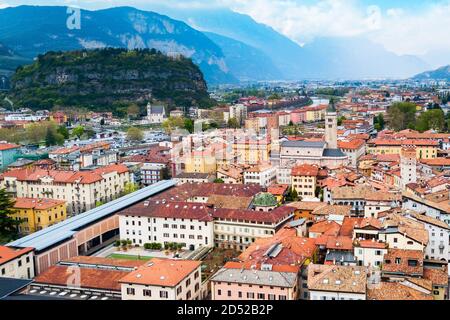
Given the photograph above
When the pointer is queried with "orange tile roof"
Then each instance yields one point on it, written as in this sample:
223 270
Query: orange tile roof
249 264
8 146
325 227
305 170
436 161
105 261
38 204
294 250
395 291
339 243
89 278
348 226
277 189
403 266
438 276
370 244
83 177
162 272
10 253
65 150
397 142
352 144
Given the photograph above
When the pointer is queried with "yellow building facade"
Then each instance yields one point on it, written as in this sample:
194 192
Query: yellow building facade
38 214
200 162
423 151
252 152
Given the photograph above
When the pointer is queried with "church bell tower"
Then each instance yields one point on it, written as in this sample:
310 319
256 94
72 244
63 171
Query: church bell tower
331 126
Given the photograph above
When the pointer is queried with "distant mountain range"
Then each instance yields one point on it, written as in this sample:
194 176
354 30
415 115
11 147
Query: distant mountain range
227 46
442 73
324 58
31 30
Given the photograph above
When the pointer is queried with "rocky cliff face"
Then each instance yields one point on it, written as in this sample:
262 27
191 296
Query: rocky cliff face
102 78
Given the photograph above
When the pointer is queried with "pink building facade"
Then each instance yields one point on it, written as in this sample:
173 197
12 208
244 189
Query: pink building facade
237 282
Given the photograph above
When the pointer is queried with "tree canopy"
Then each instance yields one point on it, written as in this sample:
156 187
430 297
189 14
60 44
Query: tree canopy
135 134
402 115
8 225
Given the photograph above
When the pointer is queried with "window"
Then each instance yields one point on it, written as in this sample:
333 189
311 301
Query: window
219 292
147 293
250 295
412 263
163 294
130 291
261 296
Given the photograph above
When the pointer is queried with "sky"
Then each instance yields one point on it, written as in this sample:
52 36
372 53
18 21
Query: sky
406 27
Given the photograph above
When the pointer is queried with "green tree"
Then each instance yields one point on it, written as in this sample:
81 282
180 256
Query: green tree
292 195
78 131
219 181
135 134
233 123
173 123
133 110
165 173
432 119
189 125
8 225
130 188
378 122
62 130
402 115
50 138
340 120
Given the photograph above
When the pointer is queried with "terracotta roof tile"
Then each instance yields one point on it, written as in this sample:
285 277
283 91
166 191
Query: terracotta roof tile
162 272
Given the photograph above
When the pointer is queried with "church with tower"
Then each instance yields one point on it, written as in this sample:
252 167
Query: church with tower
155 113
321 153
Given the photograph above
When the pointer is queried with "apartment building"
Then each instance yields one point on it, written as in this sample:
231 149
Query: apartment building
304 180
263 174
425 149
244 281
354 149
439 235
163 279
369 253
162 222
16 262
237 229
38 214
252 150
81 190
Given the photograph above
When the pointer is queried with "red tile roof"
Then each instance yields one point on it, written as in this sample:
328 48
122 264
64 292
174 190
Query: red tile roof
8 146
172 209
9 253
162 272
352 144
39 204
305 170
274 216
294 250
89 278
83 177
